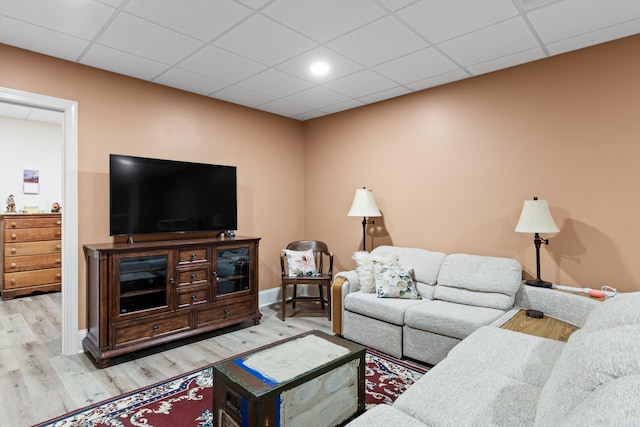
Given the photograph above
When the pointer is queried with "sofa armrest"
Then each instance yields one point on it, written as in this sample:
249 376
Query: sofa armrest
569 307
344 283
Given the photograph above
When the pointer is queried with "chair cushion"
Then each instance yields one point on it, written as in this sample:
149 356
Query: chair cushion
479 280
450 319
301 263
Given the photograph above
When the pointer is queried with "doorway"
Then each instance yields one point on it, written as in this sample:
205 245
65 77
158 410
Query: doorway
71 338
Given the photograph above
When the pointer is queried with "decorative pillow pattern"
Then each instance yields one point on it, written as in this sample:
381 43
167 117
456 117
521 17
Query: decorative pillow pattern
301 263
364 267
393 281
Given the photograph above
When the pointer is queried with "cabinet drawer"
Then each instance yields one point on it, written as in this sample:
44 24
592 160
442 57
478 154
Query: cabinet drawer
32 278
32 248
32 222
193 276
135 331
193 295
32 262
188 256
32 234
222 312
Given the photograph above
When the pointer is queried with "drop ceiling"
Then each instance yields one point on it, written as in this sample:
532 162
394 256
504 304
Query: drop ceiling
258 53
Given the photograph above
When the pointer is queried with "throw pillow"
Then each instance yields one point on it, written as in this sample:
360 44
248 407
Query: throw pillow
393 281
364 268
301 263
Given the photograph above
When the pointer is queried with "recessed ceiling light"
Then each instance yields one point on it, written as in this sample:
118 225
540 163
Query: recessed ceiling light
319 68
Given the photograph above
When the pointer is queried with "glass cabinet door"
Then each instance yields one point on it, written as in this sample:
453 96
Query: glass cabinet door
142 283
232 270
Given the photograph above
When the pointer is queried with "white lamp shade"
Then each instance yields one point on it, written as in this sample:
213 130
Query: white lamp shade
364 204
536 218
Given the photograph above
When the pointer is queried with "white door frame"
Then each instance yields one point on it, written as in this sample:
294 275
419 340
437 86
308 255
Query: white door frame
70 335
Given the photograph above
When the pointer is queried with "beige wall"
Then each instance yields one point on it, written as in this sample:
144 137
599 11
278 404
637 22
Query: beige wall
450 167
127 116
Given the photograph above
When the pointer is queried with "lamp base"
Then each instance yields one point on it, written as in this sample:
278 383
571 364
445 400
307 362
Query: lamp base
539 283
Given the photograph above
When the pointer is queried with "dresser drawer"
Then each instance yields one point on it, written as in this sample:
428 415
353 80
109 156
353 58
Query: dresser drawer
32 234
153 327
31 278
193 276
32 262
32 222
33 248
193 295
223 312
188 256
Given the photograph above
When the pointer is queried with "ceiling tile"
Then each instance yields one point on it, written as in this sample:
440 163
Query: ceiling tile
42 40
249 39
309 115
354 103
505 38
378 42
242 96
507 61
361 84
191 82
416 66
385 94
340 66
283 108
222 65
438 80
595 37
255 4
134 35
125 63
324 20
396 4
204 19
317 97
76 18
574 17
275 83
439 20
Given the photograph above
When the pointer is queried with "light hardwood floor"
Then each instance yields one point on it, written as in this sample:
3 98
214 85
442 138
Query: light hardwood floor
37 383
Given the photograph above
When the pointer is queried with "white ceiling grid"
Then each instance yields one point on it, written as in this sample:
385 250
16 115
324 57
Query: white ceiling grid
257 53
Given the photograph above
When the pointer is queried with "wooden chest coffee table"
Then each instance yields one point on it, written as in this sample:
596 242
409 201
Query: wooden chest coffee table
313 379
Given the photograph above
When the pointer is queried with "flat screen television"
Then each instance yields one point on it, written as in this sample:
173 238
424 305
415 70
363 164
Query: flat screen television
148 196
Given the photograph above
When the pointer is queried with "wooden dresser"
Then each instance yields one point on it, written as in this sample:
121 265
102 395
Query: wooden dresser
31 253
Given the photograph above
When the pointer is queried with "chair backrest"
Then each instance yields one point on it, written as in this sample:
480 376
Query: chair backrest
319 249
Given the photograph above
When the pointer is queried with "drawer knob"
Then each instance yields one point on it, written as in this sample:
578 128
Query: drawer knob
58 261
155 328
58 247
13 281
14 236
58 233
14 225
226 311
58 276
172 280
193 297
58 222
13 265
194 276
13 250
194 256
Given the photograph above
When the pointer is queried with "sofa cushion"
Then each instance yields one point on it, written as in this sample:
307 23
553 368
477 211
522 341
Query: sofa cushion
479 280
425 265
449 319
598 374
492 378
385 415
394 281
390 310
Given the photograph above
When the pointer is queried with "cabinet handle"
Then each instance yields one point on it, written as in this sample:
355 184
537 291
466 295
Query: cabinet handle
193 297
155 328
194 276
14 225
13 265
194 256
172 280
215 274
226 312
14 236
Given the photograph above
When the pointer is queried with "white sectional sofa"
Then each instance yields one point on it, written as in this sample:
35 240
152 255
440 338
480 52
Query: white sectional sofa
497 377
459 293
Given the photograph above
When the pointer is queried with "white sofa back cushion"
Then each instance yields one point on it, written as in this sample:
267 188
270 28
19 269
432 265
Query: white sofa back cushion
596 380
479 280
425 264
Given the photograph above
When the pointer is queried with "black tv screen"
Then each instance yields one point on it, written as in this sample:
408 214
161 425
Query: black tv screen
167 196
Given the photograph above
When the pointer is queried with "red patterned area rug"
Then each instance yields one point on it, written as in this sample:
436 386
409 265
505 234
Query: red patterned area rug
188 400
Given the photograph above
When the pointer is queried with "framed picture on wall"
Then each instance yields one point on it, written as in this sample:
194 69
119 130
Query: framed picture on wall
31 181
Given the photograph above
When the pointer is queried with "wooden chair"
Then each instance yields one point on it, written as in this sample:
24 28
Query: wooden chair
322 278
